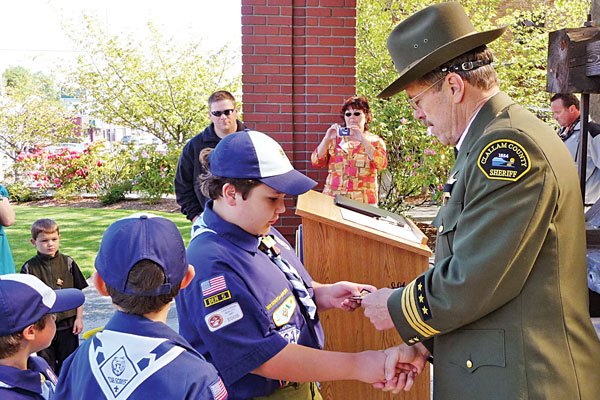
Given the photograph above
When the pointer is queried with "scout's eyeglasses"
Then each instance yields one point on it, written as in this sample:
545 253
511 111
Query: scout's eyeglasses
414 101
356 114
219 113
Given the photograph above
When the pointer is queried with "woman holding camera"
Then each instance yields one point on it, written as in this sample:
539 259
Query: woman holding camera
352 155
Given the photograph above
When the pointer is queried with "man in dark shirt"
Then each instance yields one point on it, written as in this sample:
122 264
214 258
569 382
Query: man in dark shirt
223 116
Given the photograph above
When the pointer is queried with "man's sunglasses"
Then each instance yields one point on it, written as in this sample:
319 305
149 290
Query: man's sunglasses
219 113
356 114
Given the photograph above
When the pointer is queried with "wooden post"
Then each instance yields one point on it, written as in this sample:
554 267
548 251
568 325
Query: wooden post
574 61
574 67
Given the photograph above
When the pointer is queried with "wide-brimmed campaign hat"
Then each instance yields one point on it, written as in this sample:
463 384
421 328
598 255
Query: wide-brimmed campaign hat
430 38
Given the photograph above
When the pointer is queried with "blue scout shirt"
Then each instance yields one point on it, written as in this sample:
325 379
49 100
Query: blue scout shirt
136 358
36 382
240 310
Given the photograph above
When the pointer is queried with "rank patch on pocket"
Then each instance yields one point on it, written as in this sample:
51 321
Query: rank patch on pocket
504 159
283 314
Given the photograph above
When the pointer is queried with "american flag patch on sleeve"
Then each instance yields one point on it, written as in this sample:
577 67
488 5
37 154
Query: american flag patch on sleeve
213 285
218 390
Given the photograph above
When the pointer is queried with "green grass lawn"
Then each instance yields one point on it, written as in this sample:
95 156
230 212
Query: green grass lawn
81 230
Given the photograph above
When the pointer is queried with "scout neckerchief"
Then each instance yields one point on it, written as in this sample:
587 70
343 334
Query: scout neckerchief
267 246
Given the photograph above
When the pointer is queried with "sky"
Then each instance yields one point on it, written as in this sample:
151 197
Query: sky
31 33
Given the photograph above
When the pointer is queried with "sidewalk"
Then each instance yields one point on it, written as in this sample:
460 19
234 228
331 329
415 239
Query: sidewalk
97 310
424 214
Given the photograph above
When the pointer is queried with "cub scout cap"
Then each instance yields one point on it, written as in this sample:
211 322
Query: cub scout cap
254 155
25 299
141 236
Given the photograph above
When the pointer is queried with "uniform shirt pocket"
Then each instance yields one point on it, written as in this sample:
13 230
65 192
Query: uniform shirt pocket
446 225
472 349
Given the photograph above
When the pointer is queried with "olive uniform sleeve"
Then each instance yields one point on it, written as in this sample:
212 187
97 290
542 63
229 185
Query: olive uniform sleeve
490 231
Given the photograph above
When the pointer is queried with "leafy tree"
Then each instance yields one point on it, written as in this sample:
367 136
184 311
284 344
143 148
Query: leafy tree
416 164
155 86
31 113
20 83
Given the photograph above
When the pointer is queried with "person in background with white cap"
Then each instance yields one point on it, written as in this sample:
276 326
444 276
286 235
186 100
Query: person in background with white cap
504 309
27 308
252 309
142 266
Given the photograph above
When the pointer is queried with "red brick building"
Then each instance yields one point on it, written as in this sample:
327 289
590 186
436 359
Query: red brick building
299 64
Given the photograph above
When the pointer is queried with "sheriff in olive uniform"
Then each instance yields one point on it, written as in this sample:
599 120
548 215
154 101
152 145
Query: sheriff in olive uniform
504 310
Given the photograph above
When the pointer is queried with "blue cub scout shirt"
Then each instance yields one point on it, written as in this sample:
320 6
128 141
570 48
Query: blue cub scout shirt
240 310
136 358
36 382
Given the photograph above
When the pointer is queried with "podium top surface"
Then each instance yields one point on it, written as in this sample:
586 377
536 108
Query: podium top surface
320 207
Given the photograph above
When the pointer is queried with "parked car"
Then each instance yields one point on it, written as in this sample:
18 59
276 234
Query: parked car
59 147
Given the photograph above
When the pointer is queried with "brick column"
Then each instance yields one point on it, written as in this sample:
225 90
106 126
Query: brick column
299 64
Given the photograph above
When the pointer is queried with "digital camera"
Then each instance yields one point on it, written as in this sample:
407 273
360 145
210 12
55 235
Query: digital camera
343 131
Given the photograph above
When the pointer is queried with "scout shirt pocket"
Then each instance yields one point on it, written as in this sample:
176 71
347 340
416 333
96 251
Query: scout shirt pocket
471 349
445 223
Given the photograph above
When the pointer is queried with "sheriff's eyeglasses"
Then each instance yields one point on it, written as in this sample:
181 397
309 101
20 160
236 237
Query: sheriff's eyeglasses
219 113
414 101
356 114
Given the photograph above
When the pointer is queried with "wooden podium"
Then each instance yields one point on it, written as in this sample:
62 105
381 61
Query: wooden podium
336 249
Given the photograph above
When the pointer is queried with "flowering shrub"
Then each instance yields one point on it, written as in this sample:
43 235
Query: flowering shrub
154 171
110 175
64 171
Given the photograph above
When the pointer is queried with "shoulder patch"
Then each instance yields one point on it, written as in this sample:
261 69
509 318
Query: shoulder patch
213 285
505 160
218 390
223 316
217 298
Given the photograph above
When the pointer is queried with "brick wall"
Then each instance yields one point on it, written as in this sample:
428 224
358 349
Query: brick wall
299 64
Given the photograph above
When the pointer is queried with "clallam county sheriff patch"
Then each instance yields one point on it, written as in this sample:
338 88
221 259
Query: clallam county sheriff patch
504 159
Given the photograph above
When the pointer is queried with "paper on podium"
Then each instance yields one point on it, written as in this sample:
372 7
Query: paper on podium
404 232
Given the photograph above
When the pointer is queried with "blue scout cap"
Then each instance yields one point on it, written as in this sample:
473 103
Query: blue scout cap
141 236
254 155
25 299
